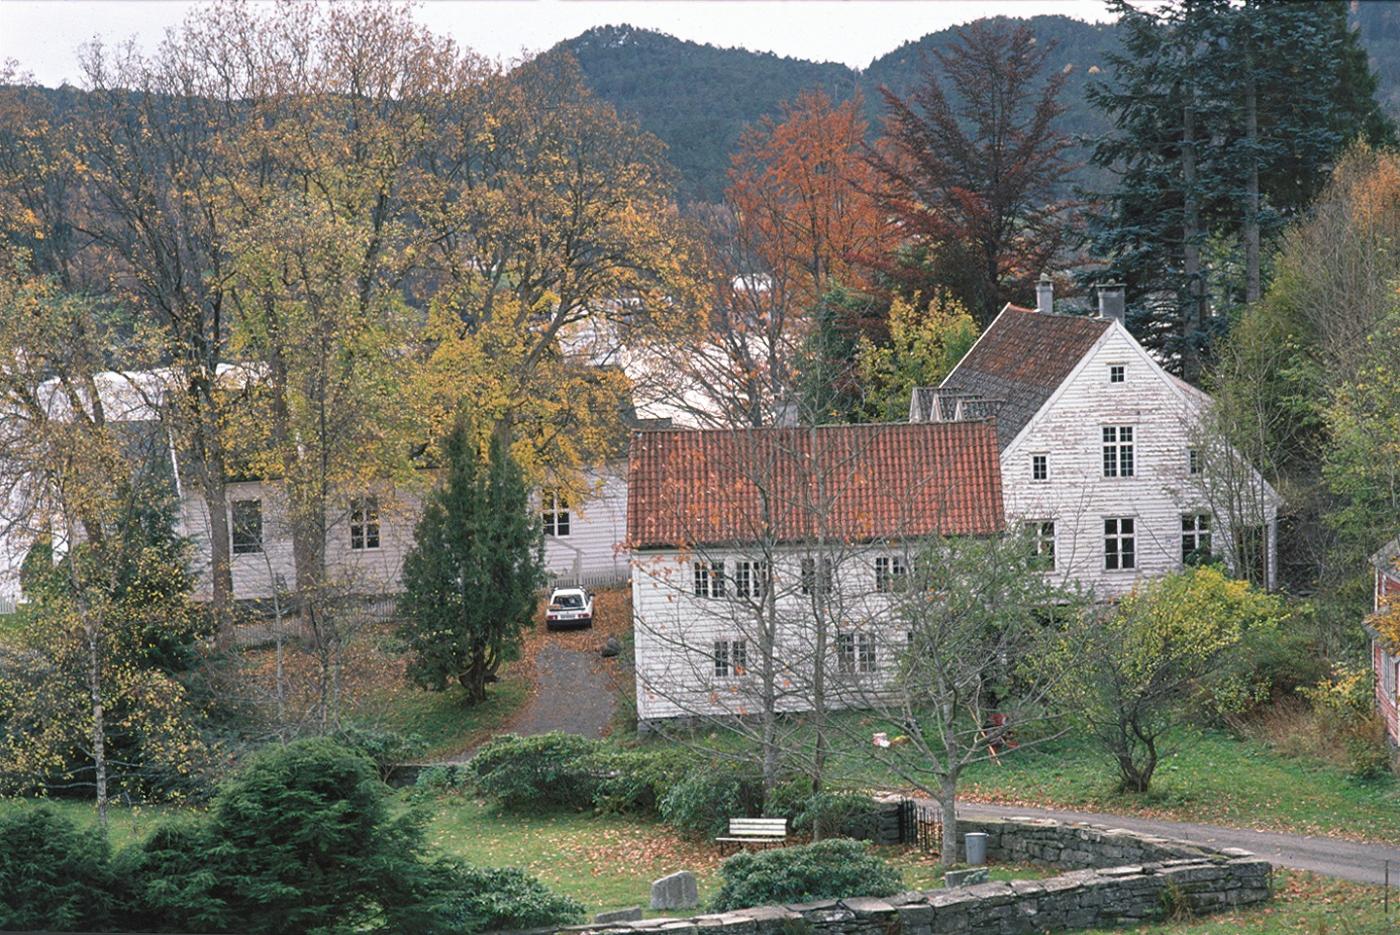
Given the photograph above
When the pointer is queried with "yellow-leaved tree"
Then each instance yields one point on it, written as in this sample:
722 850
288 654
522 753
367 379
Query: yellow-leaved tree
926 342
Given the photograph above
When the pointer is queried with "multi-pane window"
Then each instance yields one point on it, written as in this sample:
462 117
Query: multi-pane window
246 526
855 652
1193 461
750 579
1117 451
364 523
708 579
1195 537
1117 373
731 657
816 576
891 573
1390 672
1119 543
1040 467
1042 542
554 509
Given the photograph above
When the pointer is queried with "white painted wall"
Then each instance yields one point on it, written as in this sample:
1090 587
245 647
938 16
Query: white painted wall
675 631
1076 495
593 550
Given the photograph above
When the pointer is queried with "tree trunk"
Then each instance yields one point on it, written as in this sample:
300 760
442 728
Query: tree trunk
220 549
99 726
1251 198
948 809
1192 318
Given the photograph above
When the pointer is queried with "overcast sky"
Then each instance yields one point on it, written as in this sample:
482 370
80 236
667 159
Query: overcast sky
43 35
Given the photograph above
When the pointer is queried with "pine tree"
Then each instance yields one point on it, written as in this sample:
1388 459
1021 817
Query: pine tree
1228 119
471 578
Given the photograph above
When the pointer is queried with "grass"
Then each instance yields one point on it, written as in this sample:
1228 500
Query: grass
126 824
1206 776
443 720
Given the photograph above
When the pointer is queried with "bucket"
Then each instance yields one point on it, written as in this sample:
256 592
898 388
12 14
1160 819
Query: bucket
975 844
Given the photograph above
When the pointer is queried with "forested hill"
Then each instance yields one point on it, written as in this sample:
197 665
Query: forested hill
698 98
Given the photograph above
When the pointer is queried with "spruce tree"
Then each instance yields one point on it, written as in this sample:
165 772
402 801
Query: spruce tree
471 578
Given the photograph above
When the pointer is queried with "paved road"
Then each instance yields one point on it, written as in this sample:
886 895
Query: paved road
573 693
1334 857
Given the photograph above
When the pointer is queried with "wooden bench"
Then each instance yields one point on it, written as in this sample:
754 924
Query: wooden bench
767 832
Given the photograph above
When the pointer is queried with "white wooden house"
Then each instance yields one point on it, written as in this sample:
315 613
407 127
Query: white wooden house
752 549
1105 455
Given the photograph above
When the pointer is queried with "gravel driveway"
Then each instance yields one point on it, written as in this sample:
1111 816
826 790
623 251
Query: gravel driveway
573 693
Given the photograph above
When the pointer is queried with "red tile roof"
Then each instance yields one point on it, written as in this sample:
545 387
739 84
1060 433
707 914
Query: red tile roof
852 482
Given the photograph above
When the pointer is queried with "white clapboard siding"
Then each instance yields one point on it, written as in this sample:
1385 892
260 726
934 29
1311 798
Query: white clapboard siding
592 554
1068 430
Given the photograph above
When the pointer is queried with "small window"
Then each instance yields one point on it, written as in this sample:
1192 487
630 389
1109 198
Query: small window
364 523
554 509
1040 467
855 653
1390 671
1119 544
246 527
891 573
750 579
708 579
812 582
731 658
1118 451
1042 536
1117 373
1195 538
1193 461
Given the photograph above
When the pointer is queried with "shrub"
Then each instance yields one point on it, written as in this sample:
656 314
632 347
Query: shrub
841 814
704 800
527 772
173 883
385 749
53 876
635 781
435 780
825 870
493 899
303 840
1345 705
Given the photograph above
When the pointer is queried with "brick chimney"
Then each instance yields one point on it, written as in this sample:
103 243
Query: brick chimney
1113 302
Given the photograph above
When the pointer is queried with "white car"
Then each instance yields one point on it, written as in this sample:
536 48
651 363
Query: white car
569 607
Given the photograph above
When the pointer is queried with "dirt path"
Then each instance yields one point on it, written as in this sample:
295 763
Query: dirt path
573 693
1333 857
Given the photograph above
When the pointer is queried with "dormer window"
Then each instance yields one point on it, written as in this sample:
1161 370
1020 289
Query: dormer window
1117 373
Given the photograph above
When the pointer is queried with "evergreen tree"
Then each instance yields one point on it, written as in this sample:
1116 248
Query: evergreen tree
1228 118
471 578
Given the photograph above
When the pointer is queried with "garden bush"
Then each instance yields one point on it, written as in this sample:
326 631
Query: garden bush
436 780
173 881
635 781
840 814
495 899
385 749
828 869
53 876
552 769
704 800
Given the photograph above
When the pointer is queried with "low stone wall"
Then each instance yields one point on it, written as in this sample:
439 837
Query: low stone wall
1120 878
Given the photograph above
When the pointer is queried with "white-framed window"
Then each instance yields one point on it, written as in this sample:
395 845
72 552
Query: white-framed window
708 579
731 658
1195 537
364 523
1118 451
750 579
1119 543
1040 467
554 510
816 576
1117 373
1193 461
891 573
1390 675
1042 541
855 652
246 526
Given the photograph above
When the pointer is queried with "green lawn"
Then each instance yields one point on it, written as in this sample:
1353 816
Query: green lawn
1210 776
443 720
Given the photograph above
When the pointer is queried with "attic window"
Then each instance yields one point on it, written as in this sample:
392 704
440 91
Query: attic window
1117 373
1040 467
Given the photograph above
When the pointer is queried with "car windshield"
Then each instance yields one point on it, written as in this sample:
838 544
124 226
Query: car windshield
568 601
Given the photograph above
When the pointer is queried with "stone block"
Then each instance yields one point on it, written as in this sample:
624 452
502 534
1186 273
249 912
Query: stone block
675 891
630 914
969 877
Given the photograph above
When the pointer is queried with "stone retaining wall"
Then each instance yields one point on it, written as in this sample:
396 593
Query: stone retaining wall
1119 877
